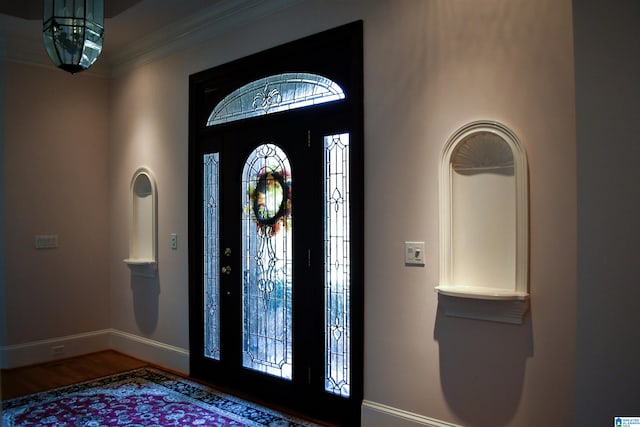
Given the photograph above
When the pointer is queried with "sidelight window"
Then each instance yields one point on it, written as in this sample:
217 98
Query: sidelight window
211 256
337 279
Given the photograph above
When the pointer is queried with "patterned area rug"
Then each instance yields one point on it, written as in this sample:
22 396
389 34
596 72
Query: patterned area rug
143 397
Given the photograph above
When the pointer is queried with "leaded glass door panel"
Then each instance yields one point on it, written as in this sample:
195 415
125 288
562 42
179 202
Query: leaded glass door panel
266 256
267 262
257 194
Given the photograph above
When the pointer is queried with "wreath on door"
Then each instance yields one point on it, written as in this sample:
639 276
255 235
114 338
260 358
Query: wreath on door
271 201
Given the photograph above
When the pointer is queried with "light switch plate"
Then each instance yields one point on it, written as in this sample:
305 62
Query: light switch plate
414 253
46 241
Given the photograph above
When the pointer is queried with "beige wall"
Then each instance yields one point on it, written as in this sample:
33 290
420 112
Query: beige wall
431 66
149 128
55 182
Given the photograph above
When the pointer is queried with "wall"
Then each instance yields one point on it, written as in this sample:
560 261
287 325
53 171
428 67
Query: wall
3 107
54 182
149 128
430 67
607 56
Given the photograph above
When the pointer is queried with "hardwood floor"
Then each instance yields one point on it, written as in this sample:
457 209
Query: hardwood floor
32 379
58 373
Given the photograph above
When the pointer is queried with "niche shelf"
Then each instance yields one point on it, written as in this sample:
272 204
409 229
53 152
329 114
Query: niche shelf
143 224
484 226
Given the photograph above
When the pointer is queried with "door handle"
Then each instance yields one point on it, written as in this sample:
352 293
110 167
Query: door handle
226 270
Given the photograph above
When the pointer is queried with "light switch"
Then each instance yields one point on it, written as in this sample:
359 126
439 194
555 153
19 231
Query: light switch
173 241
414 253
46 241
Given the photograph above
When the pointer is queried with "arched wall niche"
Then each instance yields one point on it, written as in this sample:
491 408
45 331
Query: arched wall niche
143 222
484 225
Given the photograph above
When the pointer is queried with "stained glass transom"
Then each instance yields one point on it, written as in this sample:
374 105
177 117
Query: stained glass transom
267 259
337 265
271 94
211 256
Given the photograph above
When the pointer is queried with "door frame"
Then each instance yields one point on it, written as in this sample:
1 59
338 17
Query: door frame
337 55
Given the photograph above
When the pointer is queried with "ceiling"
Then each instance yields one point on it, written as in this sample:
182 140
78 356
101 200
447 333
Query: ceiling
32 9
126 20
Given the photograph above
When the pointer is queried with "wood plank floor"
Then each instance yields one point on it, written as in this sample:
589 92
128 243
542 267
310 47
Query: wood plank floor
32 379
59 373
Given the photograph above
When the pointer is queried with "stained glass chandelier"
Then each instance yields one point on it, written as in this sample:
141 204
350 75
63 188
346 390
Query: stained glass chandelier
73 31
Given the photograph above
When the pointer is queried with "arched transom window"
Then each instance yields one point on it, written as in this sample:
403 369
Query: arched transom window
275 93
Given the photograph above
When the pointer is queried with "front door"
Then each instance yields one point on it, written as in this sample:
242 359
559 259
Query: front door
276 237
257 222
273 230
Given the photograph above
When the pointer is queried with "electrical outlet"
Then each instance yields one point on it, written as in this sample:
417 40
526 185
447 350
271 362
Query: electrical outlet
57 350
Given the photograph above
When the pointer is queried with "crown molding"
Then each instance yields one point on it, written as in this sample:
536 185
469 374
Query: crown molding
22 42
182 34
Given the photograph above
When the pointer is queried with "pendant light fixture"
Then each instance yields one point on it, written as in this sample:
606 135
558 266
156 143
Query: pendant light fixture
73 31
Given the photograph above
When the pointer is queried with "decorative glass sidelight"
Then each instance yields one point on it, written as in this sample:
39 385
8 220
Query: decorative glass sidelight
211 244
267 259
337 265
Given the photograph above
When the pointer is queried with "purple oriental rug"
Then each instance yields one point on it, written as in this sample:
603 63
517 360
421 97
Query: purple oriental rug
143 397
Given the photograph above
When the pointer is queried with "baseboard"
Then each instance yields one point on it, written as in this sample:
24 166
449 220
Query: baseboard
14 356
175 358
161 354
378 415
